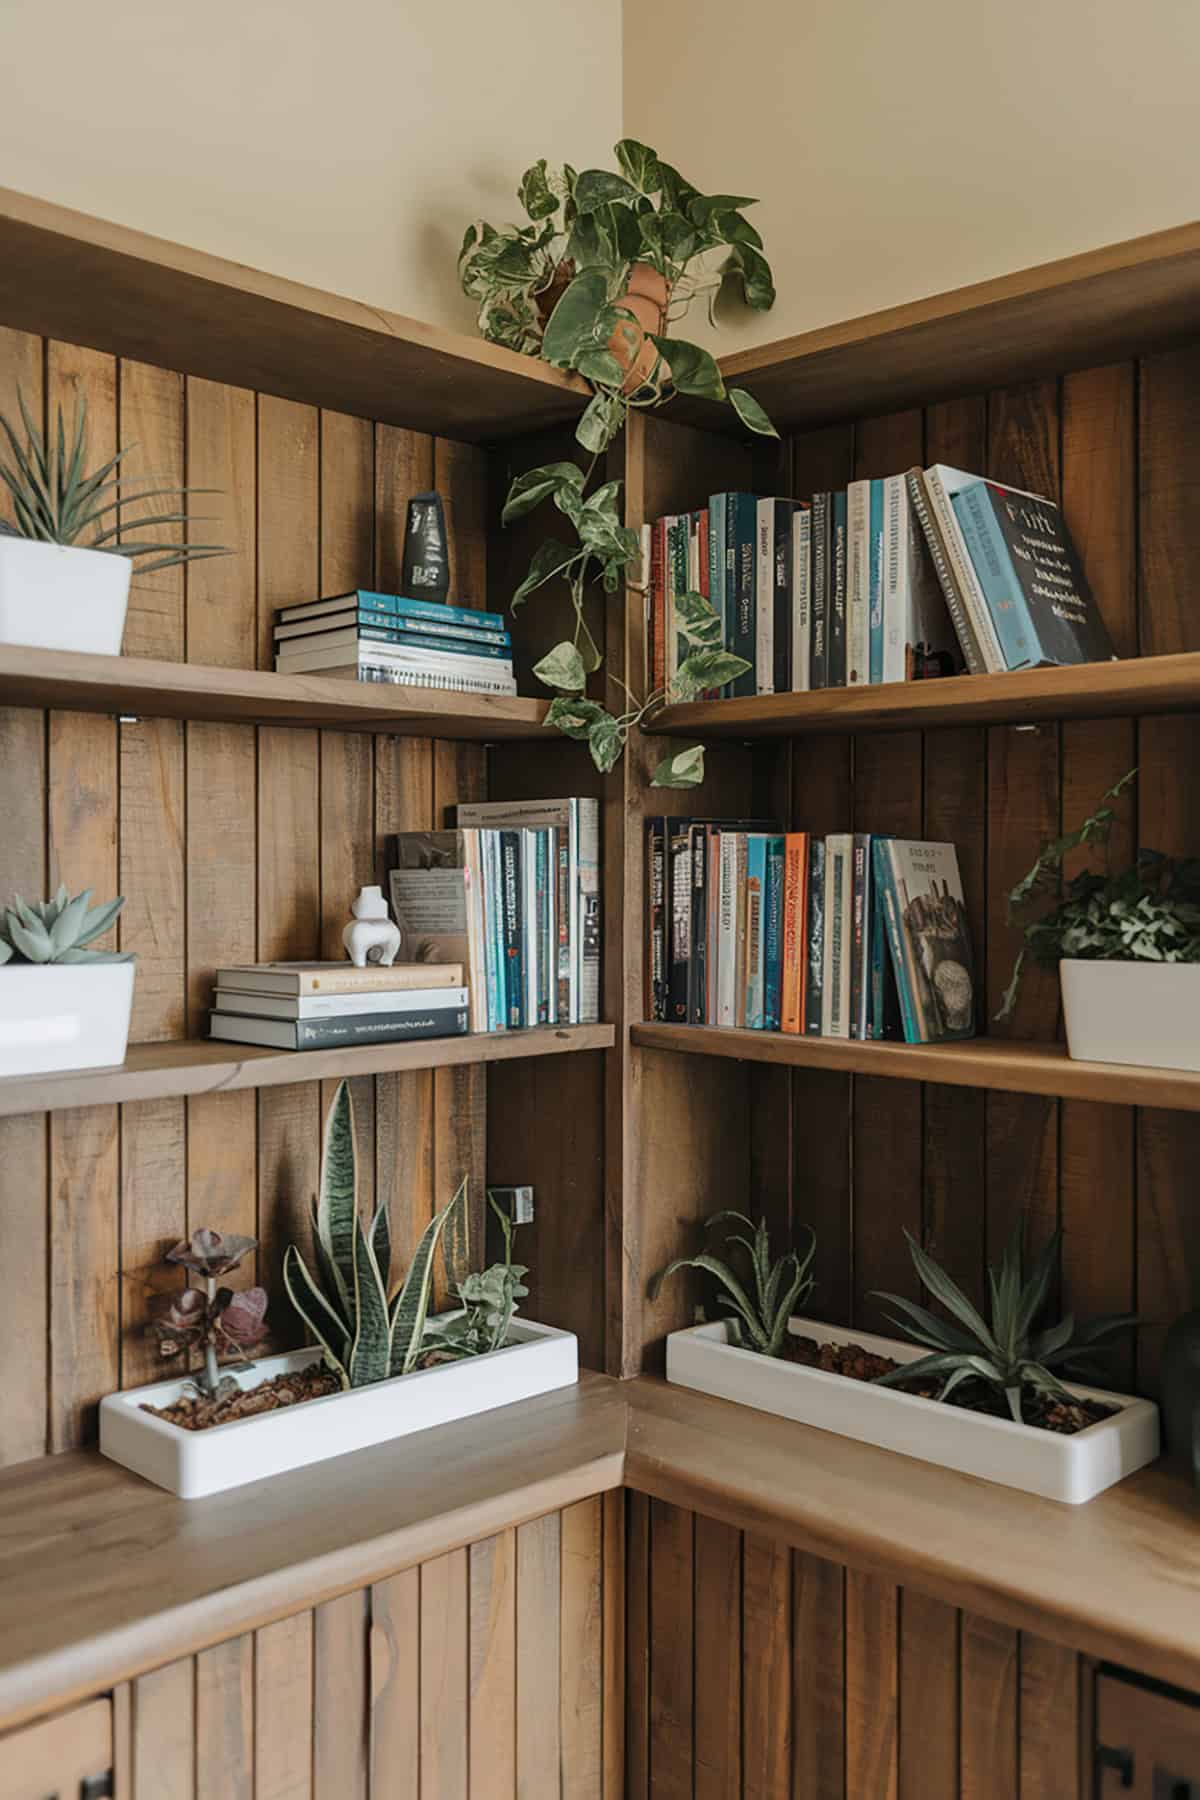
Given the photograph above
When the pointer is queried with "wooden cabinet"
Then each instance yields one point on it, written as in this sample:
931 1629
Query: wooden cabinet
1147 1741
67 1757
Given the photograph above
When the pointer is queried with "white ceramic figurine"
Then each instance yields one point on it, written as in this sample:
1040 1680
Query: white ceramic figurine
371 936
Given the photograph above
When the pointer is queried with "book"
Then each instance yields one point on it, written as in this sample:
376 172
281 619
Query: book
794 930
919 638
858 583
821 558
773 596
340 1031
716 563
755 931
679 918
656 961
839 900
369 601
698 857
658 605
511 851
727 932
302 979
814 973
325 1006
837 624
801 598
347 637
783 597
677 586
940 484
875 584
435 886
935 542
1036 591
429 668
773 935
928 938
387 626
860 936
741 585
741 851
387 673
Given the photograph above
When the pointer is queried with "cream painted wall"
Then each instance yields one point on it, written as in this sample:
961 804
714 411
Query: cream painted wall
899 150
346 143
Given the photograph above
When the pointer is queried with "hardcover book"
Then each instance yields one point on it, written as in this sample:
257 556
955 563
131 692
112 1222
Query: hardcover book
740 585
795 928
814 974
822 556
839 905
928 937
858 583
919 638
801 599
837 594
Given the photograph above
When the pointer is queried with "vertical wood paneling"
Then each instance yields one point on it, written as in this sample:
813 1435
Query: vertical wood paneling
340 1703
283 1709
539 1626
225 1721
151 441
581 1659
395 1659
164 1728
1048 1754
988 1755
445 1703
872 1687
637 1645
612 1626
928 1764
671 1636
153 1217
492 1573
818 1688
718 1659
767 1667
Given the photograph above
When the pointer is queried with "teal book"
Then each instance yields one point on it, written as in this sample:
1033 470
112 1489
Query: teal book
875 553
756 894
928 938
773 936
368 601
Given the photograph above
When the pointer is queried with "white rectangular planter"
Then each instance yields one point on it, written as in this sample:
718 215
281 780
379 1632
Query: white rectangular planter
1132 1012
1021 1456
59 597
536 1360
63 1016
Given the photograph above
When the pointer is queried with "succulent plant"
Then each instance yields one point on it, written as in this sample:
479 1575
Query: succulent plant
56 502
489 1304
215 1320
758 1319
1009 1355
58 930
366 1333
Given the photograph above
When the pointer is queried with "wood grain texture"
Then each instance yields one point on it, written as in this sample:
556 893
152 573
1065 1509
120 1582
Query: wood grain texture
1048 1753
493 1667
395 1667
444 1677
718 1659
225 1721
539 1627
340 1698
818 1678
283 1709
164 1726
929 1698
872 1687
56 1756
766 1667
581 1650
672 1701
989 1675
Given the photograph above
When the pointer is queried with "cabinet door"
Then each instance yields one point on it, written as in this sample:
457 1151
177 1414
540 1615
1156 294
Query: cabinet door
68 1757
1147 1743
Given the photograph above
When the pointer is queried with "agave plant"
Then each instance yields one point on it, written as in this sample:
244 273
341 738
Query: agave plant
58 930
759 1318
367 1333
213 1319
1009 1355
56 502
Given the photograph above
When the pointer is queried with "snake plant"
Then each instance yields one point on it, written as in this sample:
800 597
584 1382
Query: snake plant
759 1318
1008 1355
367 1333
55 501
58 930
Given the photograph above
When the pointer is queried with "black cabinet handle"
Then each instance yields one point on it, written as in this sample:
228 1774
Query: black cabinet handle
1120 1759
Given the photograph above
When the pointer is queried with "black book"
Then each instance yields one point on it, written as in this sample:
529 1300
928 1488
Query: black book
656 852
510 912
679 919
782 587
699 837
814 990
425 572
836 669
741 523
341 1030
822 545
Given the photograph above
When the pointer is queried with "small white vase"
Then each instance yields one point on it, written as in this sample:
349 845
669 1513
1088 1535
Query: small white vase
58 597
371 935
1142 1013
64 1016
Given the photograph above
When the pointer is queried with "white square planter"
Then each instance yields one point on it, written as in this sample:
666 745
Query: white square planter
1132 1012
1021 1456
536 1360
63 1016
58 597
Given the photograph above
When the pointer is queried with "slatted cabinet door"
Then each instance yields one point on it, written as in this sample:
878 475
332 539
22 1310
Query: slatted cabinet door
54 1758
1147 1742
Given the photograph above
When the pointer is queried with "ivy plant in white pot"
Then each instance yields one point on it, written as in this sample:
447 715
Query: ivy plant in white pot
1126 944
64 569
63 1005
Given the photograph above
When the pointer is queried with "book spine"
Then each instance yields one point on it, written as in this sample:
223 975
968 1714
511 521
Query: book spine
529 922
764 597
677 586
966 580
698 958
1002 589
773 937
389 675
896 599
491 963
420 640
562 923
783 596
822 527
400 606
541 927
1065 625
514 973
383 625
679 916
837 593
889 896
498 933
588 813
376 1028
727 929
756 890
964 629
716 563
740 586
795 914
860 987
858 583
658 604
835 1015
814 939
656 997
739 909
801 599
875 582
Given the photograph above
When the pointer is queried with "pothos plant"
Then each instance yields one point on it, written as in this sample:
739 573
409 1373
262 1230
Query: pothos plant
595 283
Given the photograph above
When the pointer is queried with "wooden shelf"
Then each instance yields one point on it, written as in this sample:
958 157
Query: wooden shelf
978 1062
1150 684
69 276
177 690
1079 312
203 1066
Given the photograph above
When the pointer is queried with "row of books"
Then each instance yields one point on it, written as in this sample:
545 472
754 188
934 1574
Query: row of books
898 579
512 893
332 1006
844 936
364 636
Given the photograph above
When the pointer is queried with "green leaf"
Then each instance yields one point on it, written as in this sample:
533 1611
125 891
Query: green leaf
712 1265
336 1206
731 228
704 669
370 1359
693 370
949 1293
703 208
571 327
562 668
381 1240
668 237
754 272
682 769
549 559
606 740
411 1305
639 165
6 952
574 717
535 192
599 187
751 413
677 194
602 419
600 367
697 621
314 1309
536 485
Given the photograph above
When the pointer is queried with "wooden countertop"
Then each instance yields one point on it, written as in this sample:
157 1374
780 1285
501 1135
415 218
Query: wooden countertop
103 1575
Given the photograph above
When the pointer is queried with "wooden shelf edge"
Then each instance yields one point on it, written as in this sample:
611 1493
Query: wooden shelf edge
142 686
1015 1068
1151 684
206 1066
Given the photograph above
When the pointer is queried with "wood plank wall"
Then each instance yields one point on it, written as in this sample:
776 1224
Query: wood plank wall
762 1672
862 1157
477 1675
230 843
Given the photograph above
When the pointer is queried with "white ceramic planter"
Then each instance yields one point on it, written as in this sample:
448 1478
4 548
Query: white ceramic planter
1021 1456
57 597
1132 1012
63 1016
191 1464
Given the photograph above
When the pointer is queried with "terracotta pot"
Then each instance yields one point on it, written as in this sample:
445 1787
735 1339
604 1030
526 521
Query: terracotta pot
646 296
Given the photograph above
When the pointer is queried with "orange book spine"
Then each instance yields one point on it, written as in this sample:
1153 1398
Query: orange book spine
795 914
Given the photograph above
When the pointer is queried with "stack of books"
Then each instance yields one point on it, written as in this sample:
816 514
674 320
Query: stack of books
363 636
334 1006
899 579
846 936
512 892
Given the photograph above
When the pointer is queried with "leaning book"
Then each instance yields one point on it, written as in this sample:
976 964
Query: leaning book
921 894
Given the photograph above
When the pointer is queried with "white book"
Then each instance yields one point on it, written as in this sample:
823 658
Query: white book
917 625
801 599
839 931
327 1006
941 484
401 656
727 930
372 674
764 598
858 583
296 979
530 935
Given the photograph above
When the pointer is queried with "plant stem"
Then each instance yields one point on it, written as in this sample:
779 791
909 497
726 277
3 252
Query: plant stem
211 1377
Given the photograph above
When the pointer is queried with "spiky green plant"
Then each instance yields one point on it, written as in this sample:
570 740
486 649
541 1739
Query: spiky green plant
489 1304
58 930
367 1333
57 502
759 1319
1009 1355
